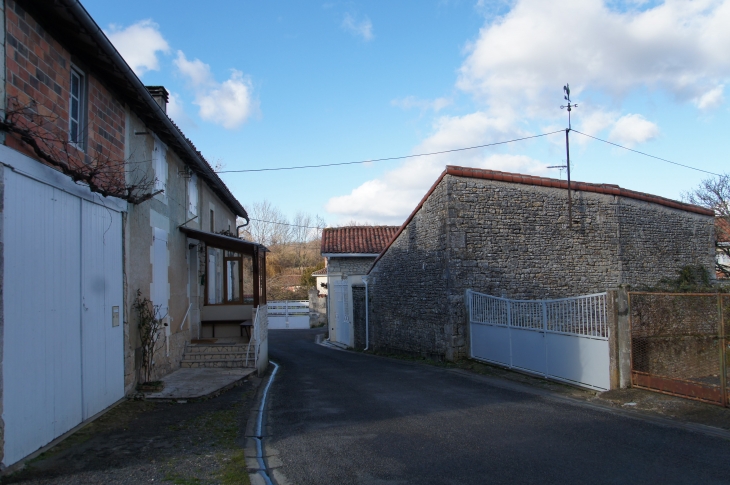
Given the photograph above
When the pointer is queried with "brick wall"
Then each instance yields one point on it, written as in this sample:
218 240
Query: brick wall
38 70
513 240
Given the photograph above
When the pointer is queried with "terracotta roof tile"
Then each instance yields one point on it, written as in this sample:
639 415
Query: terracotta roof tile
357 239
320 272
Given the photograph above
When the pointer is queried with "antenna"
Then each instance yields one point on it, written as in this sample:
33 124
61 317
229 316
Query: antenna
569 106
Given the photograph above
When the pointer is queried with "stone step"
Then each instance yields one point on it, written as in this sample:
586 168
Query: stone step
217 363
209 349
216 355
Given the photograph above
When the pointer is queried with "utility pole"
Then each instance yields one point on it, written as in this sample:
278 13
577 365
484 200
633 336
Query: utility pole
566 90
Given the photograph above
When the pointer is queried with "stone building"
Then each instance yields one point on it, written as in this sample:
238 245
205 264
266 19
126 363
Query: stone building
349 253
508 235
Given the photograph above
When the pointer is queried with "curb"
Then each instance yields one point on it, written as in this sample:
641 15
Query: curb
262 461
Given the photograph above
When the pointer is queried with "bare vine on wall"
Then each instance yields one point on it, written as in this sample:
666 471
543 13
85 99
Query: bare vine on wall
150 324
46 136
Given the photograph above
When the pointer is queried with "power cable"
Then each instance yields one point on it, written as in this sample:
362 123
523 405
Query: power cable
390 158
287 224
646 154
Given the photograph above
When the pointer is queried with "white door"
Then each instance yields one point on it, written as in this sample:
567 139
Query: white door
342 319
62 359
101 282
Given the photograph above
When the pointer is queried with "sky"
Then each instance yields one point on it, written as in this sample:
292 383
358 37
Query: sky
289 83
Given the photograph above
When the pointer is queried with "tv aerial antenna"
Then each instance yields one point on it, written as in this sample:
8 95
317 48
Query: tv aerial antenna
569 106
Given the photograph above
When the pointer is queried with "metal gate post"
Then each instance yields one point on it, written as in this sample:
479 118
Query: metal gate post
509 331
544 335
723 346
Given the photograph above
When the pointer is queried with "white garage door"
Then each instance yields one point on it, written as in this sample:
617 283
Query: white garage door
63 357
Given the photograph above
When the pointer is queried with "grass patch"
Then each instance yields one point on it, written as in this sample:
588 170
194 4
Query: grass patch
234 471
180 480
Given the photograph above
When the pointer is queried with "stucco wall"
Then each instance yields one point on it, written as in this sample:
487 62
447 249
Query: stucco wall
513 240
185 264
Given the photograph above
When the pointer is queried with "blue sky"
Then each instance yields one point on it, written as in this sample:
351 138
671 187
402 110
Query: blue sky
277 84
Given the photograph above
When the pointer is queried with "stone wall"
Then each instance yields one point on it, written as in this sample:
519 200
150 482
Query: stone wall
358 311
514 240
409 294
317 308
349 266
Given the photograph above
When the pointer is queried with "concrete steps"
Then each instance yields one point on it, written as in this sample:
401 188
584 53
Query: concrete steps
218 355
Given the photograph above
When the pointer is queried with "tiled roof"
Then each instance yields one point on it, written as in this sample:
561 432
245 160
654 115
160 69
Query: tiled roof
357 239
544 182
320 272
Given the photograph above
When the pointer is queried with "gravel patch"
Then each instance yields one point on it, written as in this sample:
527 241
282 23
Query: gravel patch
185 442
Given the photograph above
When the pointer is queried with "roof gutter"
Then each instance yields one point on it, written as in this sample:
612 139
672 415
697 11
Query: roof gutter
95 32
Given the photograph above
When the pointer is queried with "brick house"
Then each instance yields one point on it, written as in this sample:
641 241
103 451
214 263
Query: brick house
349 253
84 146
507 235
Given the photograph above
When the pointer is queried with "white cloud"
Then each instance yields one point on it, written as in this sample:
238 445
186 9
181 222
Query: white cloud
176 111
632 129
196 71
390 198
515 70
363 28
410 102
711 99
139 44
229 103
522 60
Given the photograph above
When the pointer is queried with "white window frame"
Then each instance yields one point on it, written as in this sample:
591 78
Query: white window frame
79 141
159 165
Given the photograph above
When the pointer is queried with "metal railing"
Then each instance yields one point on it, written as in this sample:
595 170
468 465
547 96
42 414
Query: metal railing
581 315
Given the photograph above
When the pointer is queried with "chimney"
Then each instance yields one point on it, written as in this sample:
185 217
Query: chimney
160 95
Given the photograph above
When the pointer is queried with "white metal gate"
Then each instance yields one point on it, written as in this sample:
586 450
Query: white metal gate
564 339
288 314
63 357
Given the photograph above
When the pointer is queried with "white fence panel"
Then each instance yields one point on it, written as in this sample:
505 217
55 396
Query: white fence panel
565 339
291 314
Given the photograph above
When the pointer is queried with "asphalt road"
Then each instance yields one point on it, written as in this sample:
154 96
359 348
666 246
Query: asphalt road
341 417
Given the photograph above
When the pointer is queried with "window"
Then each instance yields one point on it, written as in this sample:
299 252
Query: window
159 164
212 220
229 277
76 109
193 195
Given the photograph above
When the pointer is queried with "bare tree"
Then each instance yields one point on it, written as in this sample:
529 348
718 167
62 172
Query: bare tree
268 224
101 174
714 193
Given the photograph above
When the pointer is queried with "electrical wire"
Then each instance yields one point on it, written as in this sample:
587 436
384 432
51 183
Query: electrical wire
390 158
287 224
646 154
